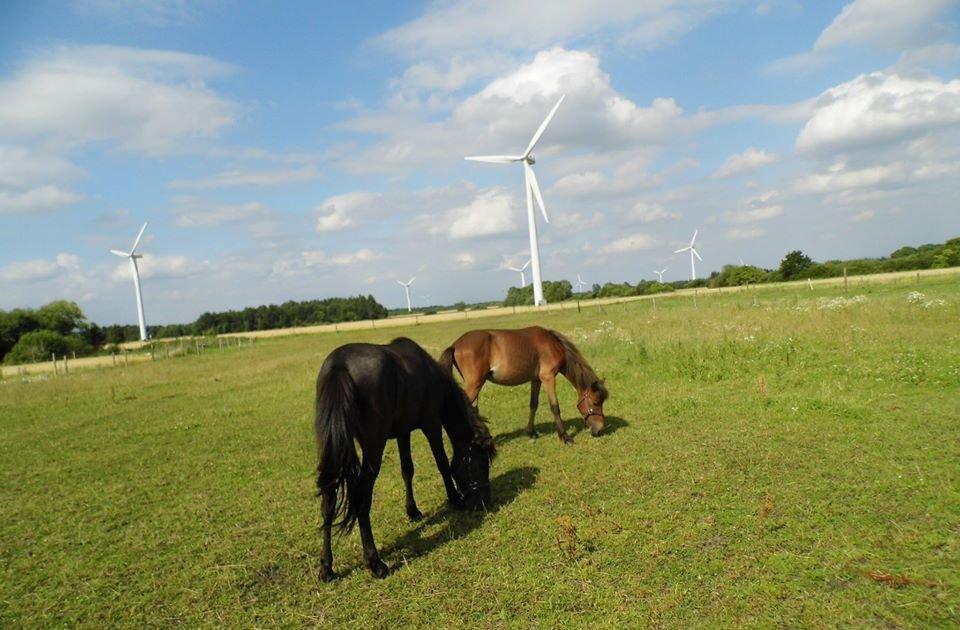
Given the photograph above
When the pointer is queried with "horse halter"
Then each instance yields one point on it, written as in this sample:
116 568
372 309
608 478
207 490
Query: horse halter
590 411
474 484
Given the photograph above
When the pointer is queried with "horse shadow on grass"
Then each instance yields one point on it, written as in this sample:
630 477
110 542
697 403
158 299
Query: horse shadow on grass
548 429
505 487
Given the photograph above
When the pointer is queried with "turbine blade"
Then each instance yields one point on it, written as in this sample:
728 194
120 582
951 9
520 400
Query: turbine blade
514 269
137 241
697 254
525 265
119 253
680 251
410 281
495 159
543 126
535 187
401 284
694 239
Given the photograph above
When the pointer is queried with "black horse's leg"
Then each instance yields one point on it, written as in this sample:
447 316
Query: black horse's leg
406 470
328 506
435 438
534 403
551 384
372 458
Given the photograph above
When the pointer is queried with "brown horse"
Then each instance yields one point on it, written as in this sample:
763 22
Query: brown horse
532 355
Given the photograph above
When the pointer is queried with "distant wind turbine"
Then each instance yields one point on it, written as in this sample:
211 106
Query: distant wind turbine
660 273
132 256
580 284
693 252
532 189
523 278
406 289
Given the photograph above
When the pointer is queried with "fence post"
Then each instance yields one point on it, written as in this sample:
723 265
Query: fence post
844 279
220 341
55 373
126 359
66 365
113 355
153 356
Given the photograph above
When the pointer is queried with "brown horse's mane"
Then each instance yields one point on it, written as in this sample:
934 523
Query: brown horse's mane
577 369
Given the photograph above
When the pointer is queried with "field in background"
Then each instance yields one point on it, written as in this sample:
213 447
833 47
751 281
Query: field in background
792 462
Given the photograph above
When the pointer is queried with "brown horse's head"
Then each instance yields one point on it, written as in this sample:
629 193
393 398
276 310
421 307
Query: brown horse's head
591 406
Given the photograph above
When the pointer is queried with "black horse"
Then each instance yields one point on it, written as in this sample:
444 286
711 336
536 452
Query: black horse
372 393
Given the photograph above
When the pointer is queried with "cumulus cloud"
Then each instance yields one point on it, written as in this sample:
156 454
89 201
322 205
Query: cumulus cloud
149 101
632 243
343 211
862 216
650 212
234 178
758 208
750 160
192 212
490 212
879 108
160 267
32 270
745 233
313 258
41 199
885 24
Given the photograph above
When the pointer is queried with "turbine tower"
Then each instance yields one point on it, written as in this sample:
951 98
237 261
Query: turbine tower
406 289
693 252
580 284
660 273
132 256
523 278
532 189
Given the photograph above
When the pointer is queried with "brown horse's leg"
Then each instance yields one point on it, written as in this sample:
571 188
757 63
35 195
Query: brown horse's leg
551 384
370 468
534 403
435 438
472 390
328 506
406 470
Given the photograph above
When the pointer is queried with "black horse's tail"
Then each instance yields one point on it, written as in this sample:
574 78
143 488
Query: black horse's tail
448 361
335 425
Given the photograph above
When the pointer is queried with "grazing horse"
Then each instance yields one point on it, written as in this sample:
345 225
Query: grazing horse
372 393
532 355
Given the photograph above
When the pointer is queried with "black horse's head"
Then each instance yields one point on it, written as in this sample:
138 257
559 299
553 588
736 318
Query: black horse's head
471 472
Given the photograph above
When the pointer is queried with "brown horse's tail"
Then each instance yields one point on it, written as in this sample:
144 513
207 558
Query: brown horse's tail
335 425
448 361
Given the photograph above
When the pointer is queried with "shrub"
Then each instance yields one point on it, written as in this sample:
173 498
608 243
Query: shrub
38 345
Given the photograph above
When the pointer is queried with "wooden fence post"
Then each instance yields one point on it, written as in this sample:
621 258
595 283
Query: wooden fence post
113 355
66 365
55 372
844 279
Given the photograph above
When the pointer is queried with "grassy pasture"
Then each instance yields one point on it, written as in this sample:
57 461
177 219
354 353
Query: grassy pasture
794 463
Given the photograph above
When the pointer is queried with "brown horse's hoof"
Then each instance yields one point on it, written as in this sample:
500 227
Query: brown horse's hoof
327 574
566 439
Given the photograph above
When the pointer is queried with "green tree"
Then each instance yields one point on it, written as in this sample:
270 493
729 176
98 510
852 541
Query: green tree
61 316
38 345
793 264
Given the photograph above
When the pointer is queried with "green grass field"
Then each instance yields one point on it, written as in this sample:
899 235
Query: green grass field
794 463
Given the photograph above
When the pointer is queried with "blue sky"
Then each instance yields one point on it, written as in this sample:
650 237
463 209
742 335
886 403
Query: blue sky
296 151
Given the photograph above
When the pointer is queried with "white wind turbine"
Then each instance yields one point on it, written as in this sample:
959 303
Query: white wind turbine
660 273
532 189
406 289
132 256
693 252
580 284
520 270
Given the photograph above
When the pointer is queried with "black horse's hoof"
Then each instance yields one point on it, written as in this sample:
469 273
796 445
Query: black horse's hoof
414 514
566 439
327 574
379 569
533 435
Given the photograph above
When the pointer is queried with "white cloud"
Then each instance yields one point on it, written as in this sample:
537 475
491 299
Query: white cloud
750 160
885 24
490 212
313 258
343 211
200 213
862 216
39 269
632 243
160 267
578 221
465 260
743 234
150 101
879 108
650 212
759 208
41 199
527 25
22 167
230 179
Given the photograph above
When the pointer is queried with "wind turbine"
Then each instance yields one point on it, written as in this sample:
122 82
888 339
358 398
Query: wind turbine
580 284
132 256
693 252
523 278
660 273
532 189
406 289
